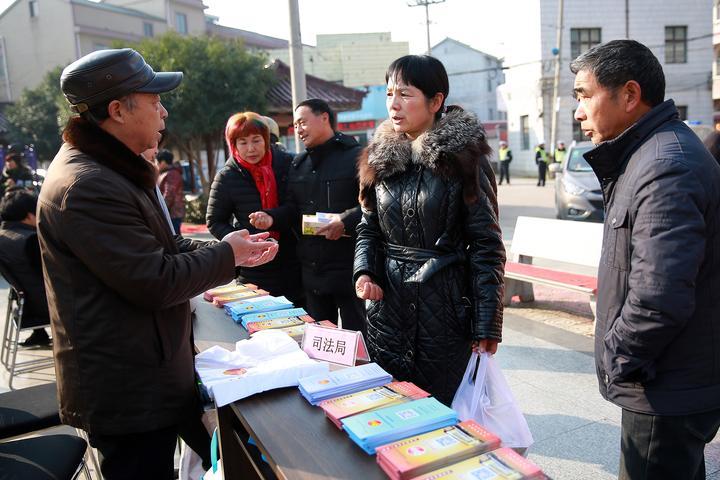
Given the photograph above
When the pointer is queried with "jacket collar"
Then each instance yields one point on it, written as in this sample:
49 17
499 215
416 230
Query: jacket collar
110 152
391 152
609 158
8 225
339 141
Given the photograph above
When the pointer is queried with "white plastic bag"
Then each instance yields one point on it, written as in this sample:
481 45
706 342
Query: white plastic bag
216 471
488 400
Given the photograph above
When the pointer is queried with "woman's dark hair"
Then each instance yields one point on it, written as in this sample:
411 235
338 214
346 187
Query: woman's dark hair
423 72
617 62
16 204
712 143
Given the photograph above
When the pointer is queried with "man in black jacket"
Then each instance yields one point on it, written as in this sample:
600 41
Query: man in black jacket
658 317
20 254
323 179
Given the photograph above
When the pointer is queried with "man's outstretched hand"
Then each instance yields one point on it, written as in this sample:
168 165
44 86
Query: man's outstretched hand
251 250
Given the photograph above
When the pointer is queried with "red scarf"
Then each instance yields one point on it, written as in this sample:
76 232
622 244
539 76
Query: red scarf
264 177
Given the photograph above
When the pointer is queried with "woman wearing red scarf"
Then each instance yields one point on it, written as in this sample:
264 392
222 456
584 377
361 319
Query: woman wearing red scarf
255 178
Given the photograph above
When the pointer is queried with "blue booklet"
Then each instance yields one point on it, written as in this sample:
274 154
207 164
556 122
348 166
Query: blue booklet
238 310
259 317
317 388
386 425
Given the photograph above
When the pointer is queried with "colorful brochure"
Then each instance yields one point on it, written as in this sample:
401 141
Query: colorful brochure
380 427
261 317
396 392
312 223
221 300
238 310
501 464
342 382
283 322
228 289
296 332
424 453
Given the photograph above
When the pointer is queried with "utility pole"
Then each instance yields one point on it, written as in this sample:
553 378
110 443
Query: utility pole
426 4
556 80
297 67
627 19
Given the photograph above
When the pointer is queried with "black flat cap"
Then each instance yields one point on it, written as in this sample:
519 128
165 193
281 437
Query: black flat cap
107 75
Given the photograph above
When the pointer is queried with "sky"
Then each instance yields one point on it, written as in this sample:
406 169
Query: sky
473 22
469 21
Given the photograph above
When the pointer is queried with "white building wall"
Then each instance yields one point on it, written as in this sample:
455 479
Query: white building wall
35 45
471 89
689 84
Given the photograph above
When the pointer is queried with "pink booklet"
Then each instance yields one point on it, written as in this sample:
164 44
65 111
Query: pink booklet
221 300
500 464
283 322
423 453
396 392
228 289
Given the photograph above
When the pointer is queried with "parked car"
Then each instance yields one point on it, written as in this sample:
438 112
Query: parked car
578 195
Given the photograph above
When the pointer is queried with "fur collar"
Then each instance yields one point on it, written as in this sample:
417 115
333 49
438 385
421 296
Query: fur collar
110 152
455 147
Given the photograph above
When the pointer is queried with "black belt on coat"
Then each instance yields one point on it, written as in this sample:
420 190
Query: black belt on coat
432 260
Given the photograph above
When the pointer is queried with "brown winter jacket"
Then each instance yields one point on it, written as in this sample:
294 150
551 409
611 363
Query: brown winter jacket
118 288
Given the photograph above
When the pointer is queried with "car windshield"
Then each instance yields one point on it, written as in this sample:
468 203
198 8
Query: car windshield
576 162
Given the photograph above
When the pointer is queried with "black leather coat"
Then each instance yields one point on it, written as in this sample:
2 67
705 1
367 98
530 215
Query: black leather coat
430 237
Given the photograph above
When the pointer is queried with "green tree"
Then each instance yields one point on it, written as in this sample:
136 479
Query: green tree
39 115
220 78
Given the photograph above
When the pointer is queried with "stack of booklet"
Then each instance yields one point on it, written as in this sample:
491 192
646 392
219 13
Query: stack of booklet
295 330
229 289
379 427
501 464
424 453
396 392
267 303
272 315
282 322
317 388
221 300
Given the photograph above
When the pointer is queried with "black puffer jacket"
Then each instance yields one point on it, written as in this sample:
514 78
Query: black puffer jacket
234 196
430 237
20 253
324 179
657 335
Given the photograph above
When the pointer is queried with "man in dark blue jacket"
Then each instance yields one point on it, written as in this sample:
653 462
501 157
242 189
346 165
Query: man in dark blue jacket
657 338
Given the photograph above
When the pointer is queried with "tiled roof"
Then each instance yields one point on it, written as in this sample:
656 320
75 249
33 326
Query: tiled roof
117 9
338 97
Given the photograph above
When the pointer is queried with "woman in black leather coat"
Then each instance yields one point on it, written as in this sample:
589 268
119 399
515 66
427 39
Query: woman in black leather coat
429 252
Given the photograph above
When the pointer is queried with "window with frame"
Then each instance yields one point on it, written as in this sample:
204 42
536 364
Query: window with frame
181 23
34 8
524 132
583 39
577 133
717 9
676 44
717 63
148 29
682 111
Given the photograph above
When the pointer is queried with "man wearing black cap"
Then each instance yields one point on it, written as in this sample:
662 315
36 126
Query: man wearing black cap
117 282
